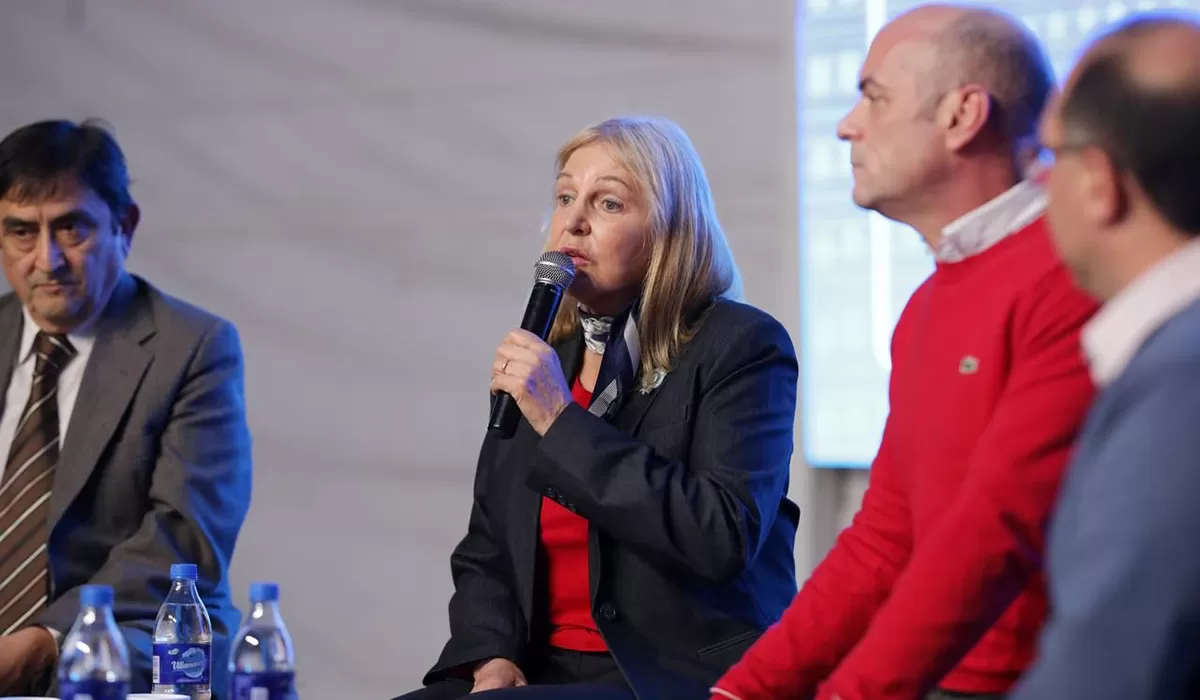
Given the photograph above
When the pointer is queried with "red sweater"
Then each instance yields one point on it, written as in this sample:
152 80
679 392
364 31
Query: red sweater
936 581
564 539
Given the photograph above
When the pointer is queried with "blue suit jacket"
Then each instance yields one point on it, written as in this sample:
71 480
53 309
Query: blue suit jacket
1124 555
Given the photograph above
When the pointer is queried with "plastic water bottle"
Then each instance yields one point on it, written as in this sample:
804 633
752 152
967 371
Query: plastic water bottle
94 662
182 660
263 663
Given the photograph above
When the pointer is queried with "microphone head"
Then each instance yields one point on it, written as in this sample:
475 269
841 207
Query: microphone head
554 268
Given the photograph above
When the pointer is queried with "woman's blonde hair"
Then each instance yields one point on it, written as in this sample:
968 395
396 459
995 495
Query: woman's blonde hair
690 261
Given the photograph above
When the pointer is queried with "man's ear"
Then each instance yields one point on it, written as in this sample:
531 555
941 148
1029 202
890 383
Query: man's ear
964 113
128 224
1102 190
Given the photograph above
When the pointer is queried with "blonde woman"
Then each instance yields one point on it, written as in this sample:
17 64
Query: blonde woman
634 535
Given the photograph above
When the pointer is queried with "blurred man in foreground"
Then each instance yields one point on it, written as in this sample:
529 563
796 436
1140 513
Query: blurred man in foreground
1123 565
935 587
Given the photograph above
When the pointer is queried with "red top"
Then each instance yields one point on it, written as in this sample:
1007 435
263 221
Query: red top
564 538
937 580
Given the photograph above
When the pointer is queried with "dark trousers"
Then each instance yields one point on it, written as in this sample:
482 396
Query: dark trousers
560 674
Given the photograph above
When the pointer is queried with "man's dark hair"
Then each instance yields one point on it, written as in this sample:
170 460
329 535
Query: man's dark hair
1150 132
994 50
39 160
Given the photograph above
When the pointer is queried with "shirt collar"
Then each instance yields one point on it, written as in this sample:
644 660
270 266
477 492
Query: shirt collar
1114 335
984 227
81 338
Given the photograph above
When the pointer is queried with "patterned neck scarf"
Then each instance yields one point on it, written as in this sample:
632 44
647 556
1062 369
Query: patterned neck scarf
619 369
596 329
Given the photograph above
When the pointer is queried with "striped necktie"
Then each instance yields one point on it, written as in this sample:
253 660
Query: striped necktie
25 490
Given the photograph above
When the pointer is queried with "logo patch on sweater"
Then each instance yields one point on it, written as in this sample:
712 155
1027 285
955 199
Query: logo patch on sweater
968 365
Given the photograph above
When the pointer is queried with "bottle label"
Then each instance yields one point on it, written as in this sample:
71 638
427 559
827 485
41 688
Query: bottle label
93 689
264 685
181 664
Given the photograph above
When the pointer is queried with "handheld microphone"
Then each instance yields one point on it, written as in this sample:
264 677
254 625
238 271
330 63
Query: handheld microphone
552 275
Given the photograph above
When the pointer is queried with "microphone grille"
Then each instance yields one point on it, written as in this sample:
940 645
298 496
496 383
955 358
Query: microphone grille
554 268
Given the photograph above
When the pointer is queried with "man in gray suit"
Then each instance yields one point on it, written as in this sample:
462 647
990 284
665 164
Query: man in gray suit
1124 564
123 439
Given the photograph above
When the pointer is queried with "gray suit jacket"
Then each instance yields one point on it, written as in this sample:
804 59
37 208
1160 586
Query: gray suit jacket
155 469
1124 568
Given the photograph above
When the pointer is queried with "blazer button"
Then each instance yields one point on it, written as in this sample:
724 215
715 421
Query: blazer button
608 612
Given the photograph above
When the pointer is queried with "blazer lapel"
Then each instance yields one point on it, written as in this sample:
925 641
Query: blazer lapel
115 369
633 410
10 342
570 356
635 403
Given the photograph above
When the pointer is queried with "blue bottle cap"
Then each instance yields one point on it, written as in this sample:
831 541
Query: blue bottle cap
186 572
95 596
264 592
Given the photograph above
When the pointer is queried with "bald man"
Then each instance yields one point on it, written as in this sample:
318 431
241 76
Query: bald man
1124 564
935 588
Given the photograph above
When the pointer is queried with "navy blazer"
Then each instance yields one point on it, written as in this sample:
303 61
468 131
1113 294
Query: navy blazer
692 534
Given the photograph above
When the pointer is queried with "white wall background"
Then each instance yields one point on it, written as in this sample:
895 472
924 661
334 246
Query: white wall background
359 186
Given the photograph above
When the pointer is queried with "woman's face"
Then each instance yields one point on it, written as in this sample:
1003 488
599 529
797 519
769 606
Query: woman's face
601 220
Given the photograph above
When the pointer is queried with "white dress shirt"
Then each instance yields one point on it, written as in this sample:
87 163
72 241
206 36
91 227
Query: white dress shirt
1118 330
21 383
980 229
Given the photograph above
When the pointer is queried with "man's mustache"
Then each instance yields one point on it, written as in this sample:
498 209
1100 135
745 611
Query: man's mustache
38 281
